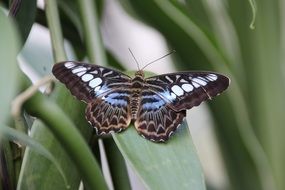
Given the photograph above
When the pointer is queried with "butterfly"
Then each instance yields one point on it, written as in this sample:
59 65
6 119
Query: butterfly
156 105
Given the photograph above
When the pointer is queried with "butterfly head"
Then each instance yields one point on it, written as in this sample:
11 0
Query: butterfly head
140 74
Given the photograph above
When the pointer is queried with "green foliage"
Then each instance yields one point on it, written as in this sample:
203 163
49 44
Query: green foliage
242 39
163 166
8 67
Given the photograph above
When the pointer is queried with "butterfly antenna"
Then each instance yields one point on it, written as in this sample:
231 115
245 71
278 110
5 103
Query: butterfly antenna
173 51
134 58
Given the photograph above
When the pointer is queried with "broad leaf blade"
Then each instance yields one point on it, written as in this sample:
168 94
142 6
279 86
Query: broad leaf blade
8 64
38 172
168 165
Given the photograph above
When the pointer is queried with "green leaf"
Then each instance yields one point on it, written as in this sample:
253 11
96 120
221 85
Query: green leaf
71 141
25 18
23 139
117 165
46 175
49 176
8 67
220 50
9 47
163 165
89 15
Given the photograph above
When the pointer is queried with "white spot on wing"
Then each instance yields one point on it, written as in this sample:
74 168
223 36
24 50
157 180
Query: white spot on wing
171 132
195 84
81 73
108 73
183 80
173 95
87 77
187 87
97 88
69 65
95 82
168 78
177 90
94 72
199 81
78 69
212 77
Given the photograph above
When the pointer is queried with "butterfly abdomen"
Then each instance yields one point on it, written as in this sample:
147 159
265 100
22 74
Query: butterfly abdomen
135 99
136 88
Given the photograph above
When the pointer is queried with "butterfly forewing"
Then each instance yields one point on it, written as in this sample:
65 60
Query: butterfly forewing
183 90
87 81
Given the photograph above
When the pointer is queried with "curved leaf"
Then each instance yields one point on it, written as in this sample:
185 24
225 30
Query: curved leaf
202 50
71 140
168 165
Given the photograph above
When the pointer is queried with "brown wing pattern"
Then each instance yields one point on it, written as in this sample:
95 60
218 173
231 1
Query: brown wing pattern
155 120
111 113
184 90
101 88
87 81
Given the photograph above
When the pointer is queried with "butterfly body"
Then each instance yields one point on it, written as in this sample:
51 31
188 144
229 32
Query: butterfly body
136 89
156 105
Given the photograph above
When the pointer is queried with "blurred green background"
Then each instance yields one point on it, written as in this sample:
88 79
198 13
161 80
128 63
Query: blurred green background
242 39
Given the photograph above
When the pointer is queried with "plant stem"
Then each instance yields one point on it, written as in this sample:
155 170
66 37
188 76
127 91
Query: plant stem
63 128
55 30
117 165
91 30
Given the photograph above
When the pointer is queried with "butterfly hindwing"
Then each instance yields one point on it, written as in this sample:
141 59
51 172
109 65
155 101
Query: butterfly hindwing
183 90
87 81
111 113
155 120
